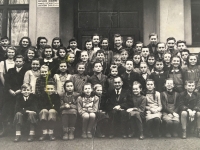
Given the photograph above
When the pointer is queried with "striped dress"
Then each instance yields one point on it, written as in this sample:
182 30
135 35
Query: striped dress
79 81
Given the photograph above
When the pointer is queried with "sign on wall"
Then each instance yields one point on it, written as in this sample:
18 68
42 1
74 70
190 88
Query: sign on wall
47 3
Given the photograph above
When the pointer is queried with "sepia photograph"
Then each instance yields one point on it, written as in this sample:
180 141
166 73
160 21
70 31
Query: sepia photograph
99 74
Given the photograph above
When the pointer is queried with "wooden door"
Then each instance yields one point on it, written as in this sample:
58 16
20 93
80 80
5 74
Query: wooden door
108 17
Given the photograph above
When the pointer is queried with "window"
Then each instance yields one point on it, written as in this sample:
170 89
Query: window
195 7
14 19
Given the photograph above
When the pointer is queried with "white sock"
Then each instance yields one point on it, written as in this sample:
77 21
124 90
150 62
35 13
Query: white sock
50 131
18 132
45 131
32 133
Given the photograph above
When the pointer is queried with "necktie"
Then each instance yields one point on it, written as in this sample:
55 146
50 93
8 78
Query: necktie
117 96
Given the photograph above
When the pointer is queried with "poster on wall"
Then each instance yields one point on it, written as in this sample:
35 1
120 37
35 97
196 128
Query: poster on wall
47 3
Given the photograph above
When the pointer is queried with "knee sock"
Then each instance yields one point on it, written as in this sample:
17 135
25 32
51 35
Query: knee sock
32 129
18 129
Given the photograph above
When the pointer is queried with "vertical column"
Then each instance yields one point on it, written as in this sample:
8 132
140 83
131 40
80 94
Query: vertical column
188 20
33 21
171 19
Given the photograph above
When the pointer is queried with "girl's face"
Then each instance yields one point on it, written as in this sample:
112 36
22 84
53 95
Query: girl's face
62 53
87 90
98 68
35 65
73 44
167 58
143 68
95 40
84 56
129 43
124 56
48 53
114 72
63 67
88 45
117 61
100 57
44 72
43 42
151 61
81 69
30 54
56 43
136 89
104 44
175 62
69 87
159 66
71 58
150 85
136 59
10 53
192 60
145 52
99 91
25 42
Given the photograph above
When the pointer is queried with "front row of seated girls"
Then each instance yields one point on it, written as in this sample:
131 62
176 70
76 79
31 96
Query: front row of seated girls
120 109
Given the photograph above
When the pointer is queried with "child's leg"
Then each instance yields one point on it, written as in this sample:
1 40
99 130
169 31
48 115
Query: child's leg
92 117
65 122
85 118
168 127
184 116
156 124
175 128
51 123
72 122
18 120
149 127
32 119
43 116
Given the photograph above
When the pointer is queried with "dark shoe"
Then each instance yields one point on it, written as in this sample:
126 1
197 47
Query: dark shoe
101 135
52 137
65 136
43 137
89 135
168 135
17 138
2 130
111 136
141 137
175 134
124 136
184 135
84 135
30 138
130 135
71 133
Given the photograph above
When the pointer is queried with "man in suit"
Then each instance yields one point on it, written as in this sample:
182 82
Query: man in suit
116 102
153 38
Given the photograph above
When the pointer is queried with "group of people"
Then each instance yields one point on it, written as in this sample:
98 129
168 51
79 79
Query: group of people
122 91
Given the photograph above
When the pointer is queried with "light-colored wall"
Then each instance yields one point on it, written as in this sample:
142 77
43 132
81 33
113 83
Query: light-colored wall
187 21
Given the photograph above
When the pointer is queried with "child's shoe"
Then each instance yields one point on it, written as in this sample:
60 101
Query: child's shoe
43 137
17 138
168 135
65 136
175 134
141 137
71 133
84 135
52 137
184 134
30 138
89 134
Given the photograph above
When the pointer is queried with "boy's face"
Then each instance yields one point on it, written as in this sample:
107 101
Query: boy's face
118 41
35 65
136 59
167 58
104 44
50 89
138 47
62 53
100 56
26 91
169 84
25 42
161 48
181 46
5 42
99 91
150 85
145 52
95 40
151 60
143 68
171 44
118 61
153 40
184 55
88 45
69 87
175 62
44 72
71 58
48 52
159 65
30 54
87 90
124 55
19 62
63 67
190 87
136 89
118 83
73 44
114 72
84 56
56 43
129 43
129 65
42 43
98 68
81 69
10 53
192 60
